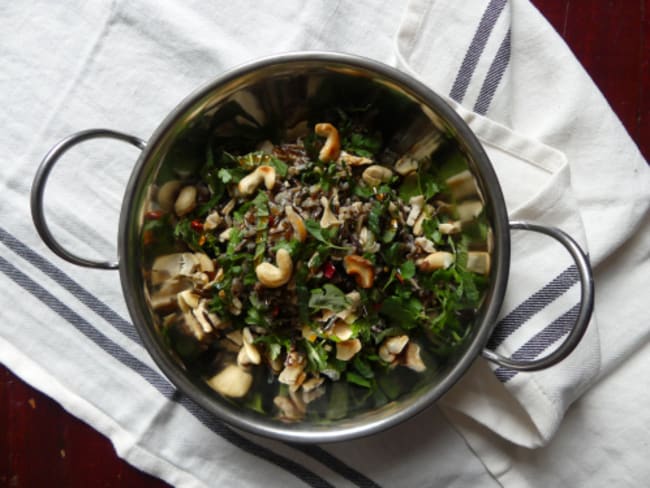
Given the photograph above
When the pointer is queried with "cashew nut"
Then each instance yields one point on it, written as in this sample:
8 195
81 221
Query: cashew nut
391 347
361 269
332 147
167 194
375 175
186 201
296 222
275 276
352 160
249 183
347 349
417 204
450 227
412 358
406 165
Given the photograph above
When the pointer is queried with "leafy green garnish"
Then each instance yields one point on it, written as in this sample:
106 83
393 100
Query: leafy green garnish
323 235
330 297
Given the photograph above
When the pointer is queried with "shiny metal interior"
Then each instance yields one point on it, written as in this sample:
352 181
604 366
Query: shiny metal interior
279 92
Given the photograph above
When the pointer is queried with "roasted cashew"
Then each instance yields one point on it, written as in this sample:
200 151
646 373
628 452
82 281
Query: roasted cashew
275 276
328 219
332 147
186 201
249 183
435 260
375 175
296 222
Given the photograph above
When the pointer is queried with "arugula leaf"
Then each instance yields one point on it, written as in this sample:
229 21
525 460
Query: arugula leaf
356 379
405 311
374 218
316 356
363 144
407 270
321 234
330 297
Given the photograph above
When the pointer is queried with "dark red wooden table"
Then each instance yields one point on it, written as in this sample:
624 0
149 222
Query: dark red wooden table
42 445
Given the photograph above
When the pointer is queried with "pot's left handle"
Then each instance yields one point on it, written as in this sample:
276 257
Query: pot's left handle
38 189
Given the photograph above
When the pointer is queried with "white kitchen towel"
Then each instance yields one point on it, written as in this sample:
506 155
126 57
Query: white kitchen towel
75 65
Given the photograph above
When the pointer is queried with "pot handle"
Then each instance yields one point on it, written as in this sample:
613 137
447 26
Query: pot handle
584 313
38 189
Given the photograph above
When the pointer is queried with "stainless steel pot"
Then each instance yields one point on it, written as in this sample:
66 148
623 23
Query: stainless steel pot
285 84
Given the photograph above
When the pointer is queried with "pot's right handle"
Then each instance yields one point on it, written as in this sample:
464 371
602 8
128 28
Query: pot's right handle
584 314
38 189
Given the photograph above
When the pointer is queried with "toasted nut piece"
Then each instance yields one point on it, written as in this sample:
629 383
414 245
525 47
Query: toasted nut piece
368 241
332 147
205 263
232 381
167 194
347 349
417 204
352 160
312 384
478 262
275 276
425 244
225 235
212 221
187 300
341 330
412 358
469 210
450 227
308 333
296 222
251 350
436 260
462 185
391 347
418 227
186 201
249 183
361 269
328 219
406 165
375 175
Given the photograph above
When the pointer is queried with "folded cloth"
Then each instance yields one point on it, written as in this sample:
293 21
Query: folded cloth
125 66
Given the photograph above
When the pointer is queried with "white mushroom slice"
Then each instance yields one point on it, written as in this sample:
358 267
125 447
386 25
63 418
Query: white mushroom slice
332 147
204 261
347 349
299 229
185 201
469 210
251 350
236 306
291 375
435 260
207 319
406 165
450 227
249 183
225 235
232 381
167 194
352 160
166 296
194 325
417 205
462 185
478 262
328 219
309 333
412 358
288 409
425 244
349 315
171 265
312 384
212 221
341 330
418 228
251 105
275 276
367 241
188 300
391 347
375 175
228 207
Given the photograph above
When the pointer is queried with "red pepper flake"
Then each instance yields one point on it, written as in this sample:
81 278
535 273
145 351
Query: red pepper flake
271 221
276 311
147 237
196 225
153 215
399 277
329 270
202 240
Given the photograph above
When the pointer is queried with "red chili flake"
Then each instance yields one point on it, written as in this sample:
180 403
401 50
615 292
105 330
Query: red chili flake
202 240
196 225
153 215
329 270
271 220
147 237
276 311
399 277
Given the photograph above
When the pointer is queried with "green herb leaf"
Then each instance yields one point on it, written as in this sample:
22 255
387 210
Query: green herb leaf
329 297
356 379
407 270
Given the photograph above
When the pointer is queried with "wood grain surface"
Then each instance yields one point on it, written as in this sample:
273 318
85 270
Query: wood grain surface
42 445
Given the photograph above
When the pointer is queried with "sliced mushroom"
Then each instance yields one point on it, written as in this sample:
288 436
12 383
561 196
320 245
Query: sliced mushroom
212 221
424 244
205 263
469 210
165 298
375 175
342 330
450 227
275 276
299 229
391 347
185 201
225 235
289 410
478 262
352 160
171 265
462 185
406 165
249 183
368 241
293 375
362 270
232 381
427 212
435 260
332 147
417 205
412 358
328 219
346 350
249 346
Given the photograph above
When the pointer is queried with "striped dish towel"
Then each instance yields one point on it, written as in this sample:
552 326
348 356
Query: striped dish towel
125 66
